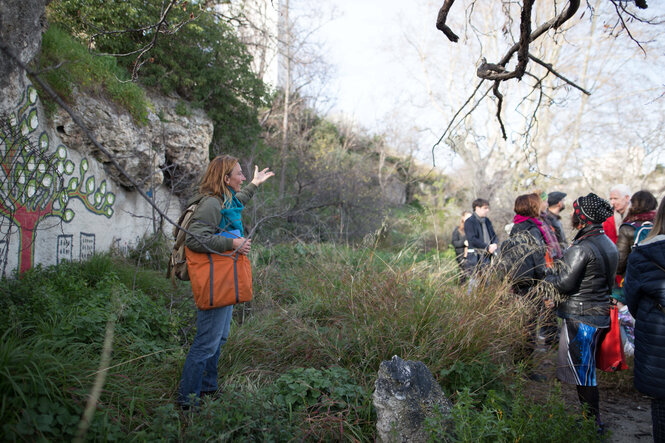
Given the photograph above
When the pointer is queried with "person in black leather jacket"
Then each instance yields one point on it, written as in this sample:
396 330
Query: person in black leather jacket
644 289
585 283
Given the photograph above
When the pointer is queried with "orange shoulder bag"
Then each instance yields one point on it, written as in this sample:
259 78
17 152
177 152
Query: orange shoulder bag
219 280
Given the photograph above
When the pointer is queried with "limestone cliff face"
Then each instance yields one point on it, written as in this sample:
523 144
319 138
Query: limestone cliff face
169 144
21 25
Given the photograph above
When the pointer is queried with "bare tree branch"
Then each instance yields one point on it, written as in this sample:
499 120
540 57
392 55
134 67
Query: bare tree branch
452 120
549 67
618 9
499 104
490 71
161 27
441 21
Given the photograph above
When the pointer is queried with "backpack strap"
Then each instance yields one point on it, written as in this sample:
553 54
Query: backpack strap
641 232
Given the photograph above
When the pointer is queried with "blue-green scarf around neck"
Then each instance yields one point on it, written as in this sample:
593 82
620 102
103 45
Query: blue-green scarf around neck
232 215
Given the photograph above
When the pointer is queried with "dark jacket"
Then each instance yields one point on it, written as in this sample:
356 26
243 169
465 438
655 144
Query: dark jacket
586 278
523 256
458 242
474 233
206 220
644 288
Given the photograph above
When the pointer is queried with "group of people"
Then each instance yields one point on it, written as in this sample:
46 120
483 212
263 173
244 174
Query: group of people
616 256
617 253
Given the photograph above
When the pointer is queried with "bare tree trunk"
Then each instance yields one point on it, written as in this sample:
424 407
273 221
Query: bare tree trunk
287 94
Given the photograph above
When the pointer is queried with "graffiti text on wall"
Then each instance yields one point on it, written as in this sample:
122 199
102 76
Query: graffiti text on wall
36 183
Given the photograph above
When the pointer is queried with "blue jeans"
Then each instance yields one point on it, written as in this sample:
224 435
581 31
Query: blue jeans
200 370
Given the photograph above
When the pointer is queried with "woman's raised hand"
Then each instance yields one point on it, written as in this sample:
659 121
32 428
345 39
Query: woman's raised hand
261 176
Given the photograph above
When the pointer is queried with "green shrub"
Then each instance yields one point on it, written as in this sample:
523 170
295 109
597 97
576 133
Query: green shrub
233 416
197 55
41 390
302 387
81 69
53 322
480 376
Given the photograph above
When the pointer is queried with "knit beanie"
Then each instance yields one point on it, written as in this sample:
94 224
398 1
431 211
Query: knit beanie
592 209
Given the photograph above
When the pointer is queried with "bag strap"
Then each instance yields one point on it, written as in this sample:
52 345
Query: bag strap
212 279
235 275
606 263
647 225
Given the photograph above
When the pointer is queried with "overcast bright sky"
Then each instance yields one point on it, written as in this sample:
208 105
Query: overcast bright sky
360 39
377 73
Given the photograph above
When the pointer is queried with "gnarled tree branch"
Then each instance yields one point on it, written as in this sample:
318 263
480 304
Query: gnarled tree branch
441 21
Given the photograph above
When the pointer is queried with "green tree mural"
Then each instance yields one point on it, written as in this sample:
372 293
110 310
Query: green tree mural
37 182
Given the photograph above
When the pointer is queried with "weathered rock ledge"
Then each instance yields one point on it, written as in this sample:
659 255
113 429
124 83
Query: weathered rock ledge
169 147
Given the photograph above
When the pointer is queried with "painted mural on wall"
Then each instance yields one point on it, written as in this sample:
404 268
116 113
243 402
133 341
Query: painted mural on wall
37 182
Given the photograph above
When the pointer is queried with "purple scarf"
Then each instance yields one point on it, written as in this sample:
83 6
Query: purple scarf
548 234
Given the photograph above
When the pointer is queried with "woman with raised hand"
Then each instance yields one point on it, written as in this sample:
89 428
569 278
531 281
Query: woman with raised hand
216 227
585 283
644 290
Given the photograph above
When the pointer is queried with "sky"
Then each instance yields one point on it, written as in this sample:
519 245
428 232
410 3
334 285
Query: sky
359 41
378 80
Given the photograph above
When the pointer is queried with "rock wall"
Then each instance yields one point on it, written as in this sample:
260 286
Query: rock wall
169 144
60 199
21 24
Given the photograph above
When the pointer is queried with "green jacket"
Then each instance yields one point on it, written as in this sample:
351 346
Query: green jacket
206 220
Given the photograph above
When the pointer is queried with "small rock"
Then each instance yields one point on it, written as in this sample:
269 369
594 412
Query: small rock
405 395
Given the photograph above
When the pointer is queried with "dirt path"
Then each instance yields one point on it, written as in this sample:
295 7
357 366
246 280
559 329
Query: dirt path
627 416
625 412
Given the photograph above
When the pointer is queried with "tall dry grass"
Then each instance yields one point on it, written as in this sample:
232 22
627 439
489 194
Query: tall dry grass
332 305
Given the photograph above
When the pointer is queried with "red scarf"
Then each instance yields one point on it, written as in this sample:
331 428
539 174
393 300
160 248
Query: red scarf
641 217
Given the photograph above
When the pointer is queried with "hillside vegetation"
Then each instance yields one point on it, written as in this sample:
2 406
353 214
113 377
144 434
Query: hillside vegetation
300 362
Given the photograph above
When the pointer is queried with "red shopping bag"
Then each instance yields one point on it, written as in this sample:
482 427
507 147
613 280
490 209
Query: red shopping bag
609 355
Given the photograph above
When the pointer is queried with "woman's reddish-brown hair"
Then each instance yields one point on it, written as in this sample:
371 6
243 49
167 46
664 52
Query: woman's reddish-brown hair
213 180
527 205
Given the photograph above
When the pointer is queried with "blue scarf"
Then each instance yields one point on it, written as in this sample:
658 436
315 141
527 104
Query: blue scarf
232 216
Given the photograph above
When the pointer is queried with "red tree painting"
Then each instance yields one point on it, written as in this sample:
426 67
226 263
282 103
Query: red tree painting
37 182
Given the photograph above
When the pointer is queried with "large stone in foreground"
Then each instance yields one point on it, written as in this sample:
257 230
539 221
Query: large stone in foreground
406 394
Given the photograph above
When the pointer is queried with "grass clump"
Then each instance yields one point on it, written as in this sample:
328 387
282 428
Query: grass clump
53 322
68 65
495 420
357 308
